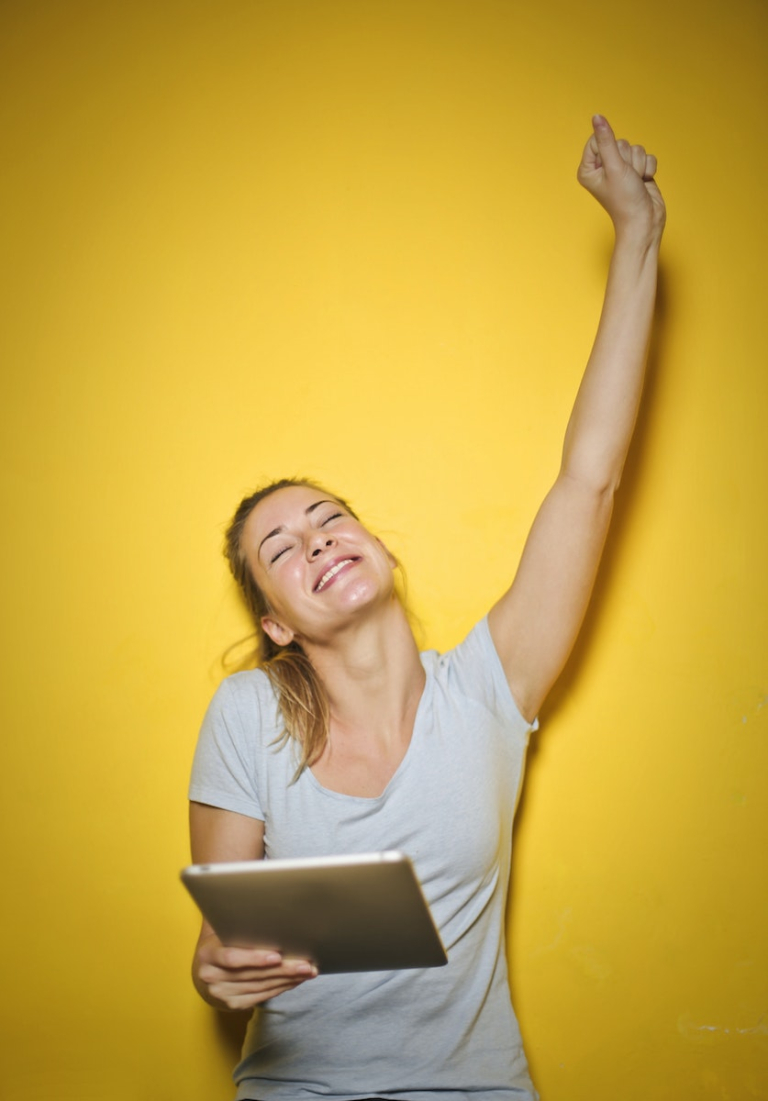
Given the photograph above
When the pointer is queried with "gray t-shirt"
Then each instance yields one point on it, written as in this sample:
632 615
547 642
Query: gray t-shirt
415 1035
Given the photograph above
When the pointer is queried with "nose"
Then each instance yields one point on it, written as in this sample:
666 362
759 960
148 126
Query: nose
319 545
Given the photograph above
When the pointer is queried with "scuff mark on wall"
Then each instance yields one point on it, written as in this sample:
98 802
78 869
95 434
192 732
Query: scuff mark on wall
563 920
593 963
748 703
706 1034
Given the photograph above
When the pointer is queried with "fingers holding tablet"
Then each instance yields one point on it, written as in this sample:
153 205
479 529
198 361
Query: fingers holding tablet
240 978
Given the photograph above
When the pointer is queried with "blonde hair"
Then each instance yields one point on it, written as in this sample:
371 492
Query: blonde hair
301 697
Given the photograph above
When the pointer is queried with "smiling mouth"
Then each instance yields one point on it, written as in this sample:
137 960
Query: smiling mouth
331 573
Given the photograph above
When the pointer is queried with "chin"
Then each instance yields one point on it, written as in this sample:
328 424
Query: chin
365 592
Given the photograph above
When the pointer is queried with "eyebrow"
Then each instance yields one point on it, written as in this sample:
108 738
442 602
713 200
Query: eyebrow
307 512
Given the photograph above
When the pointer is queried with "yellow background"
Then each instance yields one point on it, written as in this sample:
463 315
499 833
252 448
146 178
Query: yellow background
250 238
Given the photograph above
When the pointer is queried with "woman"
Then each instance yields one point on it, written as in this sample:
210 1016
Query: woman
386 748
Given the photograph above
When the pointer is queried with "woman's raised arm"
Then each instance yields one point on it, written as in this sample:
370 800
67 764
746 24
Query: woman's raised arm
535 624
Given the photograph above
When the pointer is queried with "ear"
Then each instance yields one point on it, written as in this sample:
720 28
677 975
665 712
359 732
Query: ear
278 632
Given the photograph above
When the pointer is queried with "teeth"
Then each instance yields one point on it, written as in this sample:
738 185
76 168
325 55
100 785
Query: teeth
331 573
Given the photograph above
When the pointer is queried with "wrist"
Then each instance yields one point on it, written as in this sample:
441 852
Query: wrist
640 240
642 227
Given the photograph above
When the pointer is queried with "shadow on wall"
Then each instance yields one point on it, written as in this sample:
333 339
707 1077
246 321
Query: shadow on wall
230 1032
630 482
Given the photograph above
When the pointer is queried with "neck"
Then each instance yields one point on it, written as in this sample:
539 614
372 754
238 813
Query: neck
373 676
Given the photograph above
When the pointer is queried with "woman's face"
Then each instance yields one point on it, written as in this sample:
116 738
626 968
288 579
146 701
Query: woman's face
317 566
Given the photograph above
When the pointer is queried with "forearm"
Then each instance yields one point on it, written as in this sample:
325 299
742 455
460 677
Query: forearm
604 414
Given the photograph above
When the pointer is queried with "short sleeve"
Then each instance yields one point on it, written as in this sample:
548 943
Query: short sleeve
224 770
474 670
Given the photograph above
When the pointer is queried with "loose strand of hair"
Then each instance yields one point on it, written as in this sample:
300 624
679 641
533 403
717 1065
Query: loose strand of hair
303 705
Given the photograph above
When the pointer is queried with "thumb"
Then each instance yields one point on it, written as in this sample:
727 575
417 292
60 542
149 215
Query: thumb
604 141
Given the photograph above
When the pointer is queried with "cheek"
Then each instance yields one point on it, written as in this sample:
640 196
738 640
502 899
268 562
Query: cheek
262 582
281 586
389 562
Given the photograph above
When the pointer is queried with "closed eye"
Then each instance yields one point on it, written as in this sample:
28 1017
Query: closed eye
275 557
333 516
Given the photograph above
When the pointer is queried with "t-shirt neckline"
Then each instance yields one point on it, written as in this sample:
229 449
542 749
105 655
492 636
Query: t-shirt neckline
416 737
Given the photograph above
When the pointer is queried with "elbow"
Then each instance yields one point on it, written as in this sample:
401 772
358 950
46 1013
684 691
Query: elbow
596 461
601 484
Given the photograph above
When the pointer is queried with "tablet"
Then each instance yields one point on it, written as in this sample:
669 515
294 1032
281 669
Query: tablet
344 913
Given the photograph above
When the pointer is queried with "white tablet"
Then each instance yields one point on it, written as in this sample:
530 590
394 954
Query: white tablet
344 913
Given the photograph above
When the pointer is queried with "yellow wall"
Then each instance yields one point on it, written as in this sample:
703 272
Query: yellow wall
344 238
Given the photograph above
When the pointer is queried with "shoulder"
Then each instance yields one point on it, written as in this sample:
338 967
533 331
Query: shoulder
250 688
242 705
472 670
472 659
238 731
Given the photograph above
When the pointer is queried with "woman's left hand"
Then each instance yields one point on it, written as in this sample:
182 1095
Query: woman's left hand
621 178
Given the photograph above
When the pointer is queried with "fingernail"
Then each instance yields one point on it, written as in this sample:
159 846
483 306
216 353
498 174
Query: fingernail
306 969
598 120
273 957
